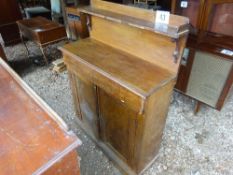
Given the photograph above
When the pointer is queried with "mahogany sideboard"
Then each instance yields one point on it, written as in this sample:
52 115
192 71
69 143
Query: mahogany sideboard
122 78
33 138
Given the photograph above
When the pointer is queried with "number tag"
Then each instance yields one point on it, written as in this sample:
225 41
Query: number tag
184 4
162 17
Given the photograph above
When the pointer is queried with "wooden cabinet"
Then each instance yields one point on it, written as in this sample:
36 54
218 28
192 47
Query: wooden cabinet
33 138
193 11
122 78
9 14
207 65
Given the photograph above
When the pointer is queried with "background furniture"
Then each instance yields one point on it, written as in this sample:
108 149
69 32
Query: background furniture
77 23
121 1
122 93
33 138
145 1
33 3
32 12
9 14
148 4
42 31
56 11
207 67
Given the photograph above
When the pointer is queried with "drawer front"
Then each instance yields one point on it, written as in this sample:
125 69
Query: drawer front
28 33
130 99
52 35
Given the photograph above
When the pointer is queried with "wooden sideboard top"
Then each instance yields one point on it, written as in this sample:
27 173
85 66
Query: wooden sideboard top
129 71
32 136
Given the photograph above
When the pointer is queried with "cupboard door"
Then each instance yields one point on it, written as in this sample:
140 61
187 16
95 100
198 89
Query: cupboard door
86 104
117 126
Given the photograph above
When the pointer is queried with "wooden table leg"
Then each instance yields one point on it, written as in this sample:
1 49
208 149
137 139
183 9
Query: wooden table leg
25 45
44 45
197 107
45 58
2 53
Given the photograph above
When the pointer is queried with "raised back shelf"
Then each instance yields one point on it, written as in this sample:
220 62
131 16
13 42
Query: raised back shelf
128 29
176 27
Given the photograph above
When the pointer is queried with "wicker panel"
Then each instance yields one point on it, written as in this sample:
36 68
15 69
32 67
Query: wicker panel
207 78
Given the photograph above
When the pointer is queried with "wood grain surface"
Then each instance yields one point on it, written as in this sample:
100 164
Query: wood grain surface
32 142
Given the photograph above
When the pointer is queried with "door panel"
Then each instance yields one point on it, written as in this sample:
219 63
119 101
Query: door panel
87 98
117 125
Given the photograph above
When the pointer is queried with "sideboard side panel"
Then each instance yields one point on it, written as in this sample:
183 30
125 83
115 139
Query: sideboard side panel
158 49
155 119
